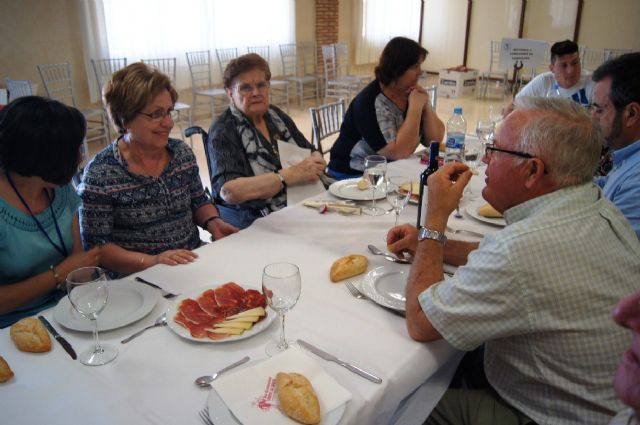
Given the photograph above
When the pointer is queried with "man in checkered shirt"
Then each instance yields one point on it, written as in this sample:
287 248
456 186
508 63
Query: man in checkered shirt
539 293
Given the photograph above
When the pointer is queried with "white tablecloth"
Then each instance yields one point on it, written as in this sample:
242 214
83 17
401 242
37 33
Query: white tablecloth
151 380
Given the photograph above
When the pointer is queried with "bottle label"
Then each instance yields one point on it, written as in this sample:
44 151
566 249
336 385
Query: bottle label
455 140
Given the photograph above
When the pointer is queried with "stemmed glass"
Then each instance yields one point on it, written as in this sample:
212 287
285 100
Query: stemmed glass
495 113
398 193
88 293
281 287
375 167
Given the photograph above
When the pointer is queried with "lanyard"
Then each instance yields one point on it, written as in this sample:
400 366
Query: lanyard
62 249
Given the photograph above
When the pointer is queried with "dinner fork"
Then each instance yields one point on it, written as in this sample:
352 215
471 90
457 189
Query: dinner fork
351 287
470 232
204 415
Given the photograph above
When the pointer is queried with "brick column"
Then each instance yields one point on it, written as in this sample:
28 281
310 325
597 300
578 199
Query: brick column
326 25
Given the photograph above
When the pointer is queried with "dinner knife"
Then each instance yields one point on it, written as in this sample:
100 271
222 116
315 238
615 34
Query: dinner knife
355 369
65 344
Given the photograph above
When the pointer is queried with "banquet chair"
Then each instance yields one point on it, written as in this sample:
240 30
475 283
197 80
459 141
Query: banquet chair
225 56
200 71
104 69
18 88
299 67
192 131
58 83
338 83
614 53
590 59
168 67
326 121
279 88
494 73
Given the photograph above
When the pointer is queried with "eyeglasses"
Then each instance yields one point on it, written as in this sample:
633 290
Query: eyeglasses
489 149
159 114
247 89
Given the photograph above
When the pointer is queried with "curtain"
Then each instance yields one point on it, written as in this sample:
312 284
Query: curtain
147 29
378 21
94 40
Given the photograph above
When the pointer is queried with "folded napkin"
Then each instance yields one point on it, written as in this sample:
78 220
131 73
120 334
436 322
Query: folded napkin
343 207
251 396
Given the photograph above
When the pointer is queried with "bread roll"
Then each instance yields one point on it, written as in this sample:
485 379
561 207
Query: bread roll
5 371
362 184
488 211
348 266
30 335
297 398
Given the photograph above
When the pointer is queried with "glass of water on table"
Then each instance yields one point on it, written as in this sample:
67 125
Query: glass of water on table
375 168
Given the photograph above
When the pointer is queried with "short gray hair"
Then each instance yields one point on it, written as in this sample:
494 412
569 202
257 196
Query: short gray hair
564 136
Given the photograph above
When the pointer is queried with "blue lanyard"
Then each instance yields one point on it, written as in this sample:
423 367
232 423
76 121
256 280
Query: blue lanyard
61 249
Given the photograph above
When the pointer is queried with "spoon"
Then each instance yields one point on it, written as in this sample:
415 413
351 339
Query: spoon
388 256
205 381
160 321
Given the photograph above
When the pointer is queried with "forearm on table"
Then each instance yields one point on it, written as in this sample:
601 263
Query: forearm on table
243 189
17 294
432 126
456 252
118 259
204 213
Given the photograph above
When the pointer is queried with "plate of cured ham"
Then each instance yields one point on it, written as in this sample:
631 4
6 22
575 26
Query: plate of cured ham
225 313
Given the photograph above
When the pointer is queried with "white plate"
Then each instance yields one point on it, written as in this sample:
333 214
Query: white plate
386 286
220 413
472 210
348 189
184 332
128 302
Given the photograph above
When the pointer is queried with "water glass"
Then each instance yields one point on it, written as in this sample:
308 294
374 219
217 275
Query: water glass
398 193
281 285
375 168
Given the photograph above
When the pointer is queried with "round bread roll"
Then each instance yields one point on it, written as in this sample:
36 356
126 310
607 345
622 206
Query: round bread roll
488 211
30 335
5 371
297 398
348 266
362 184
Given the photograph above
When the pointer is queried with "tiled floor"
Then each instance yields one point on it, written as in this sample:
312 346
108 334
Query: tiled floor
473 109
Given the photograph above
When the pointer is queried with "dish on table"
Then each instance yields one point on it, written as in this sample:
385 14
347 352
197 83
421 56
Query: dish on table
221 313
472 210
415 192
386 285
348 189
220 413
128 302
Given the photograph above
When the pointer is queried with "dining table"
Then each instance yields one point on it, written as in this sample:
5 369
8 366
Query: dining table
151 381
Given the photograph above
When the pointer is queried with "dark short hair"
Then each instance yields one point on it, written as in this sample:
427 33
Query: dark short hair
130 89
398 55
41 137
244 64
562 48
625 83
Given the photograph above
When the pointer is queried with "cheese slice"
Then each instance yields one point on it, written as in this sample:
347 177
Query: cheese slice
234 325
258 311
227 331
243 319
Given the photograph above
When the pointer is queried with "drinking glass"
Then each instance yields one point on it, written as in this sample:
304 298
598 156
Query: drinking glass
495 114
398 193
375 167
281 287
88 293
485 130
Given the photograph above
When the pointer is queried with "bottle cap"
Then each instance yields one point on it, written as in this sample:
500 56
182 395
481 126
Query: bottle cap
457 110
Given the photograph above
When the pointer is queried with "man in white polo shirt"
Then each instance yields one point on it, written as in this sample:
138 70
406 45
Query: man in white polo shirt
565 77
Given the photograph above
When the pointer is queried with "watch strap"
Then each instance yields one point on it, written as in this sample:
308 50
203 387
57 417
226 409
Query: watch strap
431 234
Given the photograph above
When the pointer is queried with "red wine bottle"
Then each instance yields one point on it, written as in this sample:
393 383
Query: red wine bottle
434 149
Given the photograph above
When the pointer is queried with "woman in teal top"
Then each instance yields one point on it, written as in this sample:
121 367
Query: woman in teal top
40 141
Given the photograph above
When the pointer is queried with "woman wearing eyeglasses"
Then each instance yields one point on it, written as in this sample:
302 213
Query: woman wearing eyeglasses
248 179
142 198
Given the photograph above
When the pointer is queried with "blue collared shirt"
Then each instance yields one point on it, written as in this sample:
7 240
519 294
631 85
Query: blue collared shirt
622 185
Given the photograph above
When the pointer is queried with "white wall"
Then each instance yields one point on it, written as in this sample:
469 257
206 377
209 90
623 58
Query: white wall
610 24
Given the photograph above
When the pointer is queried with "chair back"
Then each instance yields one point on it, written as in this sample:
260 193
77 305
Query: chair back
104 69
225 56
58 82
18 88
326 121
342 59
592 58
260 50
494 56
191 131
165 65
289 58
614 53
199 69
329 62
307 52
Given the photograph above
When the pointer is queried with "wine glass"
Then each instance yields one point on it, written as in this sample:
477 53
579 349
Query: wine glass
375 167
485 130
281 287
398 193
495 113
88 293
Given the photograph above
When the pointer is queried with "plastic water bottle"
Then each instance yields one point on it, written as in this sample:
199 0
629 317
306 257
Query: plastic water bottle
456 130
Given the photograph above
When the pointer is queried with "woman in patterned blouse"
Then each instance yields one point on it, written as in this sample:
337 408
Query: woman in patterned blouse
142 197
247 177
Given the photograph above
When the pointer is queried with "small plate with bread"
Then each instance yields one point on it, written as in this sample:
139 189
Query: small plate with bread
481 210
129 301
356 189
386 286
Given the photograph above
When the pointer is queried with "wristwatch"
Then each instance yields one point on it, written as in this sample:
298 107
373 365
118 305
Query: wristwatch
431 234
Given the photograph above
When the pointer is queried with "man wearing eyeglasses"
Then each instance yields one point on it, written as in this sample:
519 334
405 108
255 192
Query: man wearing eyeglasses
616 107
538 294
